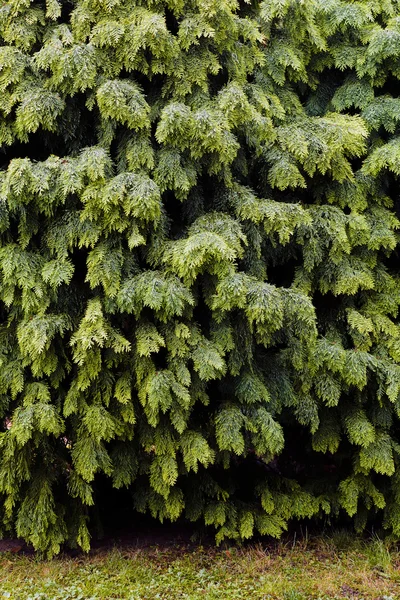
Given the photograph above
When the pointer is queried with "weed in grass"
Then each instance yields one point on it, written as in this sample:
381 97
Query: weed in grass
378 554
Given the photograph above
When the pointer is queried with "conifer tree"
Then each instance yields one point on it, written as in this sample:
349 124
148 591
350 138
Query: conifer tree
198 277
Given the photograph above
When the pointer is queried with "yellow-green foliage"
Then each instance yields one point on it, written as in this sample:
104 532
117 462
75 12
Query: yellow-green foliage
198 242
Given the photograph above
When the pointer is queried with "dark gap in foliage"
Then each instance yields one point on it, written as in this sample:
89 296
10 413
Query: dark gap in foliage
79 259
328 309
282 275
66 10
171 21
174 210
40 146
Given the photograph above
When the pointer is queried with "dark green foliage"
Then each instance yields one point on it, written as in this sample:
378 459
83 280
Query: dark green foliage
198 277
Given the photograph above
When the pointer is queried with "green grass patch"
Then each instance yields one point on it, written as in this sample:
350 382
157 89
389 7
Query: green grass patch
338 567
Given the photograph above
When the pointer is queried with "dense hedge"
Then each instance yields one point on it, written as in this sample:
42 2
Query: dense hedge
198 262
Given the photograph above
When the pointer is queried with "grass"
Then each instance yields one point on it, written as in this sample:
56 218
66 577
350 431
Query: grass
332 568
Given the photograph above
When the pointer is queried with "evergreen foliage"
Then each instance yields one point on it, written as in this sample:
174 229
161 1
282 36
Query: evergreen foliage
198 276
